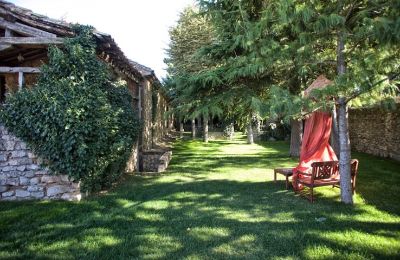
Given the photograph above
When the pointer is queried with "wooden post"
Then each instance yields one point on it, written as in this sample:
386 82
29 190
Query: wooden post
8 33
20 80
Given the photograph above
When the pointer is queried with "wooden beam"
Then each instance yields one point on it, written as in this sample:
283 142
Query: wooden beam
19 69
24 29
30 41
4 47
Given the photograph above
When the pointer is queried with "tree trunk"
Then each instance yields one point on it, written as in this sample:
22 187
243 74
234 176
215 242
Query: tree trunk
199 123
232 133
205 129
193 128
257 132
335 133
344 139
345 154
181 128
250 138
296 137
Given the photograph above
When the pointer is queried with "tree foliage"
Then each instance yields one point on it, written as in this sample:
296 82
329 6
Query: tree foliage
77 117
265 53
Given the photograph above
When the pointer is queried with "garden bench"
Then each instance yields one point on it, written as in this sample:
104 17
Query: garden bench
325 174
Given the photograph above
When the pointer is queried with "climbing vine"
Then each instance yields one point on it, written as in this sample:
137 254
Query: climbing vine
77 117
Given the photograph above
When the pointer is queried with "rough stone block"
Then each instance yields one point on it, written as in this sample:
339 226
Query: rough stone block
37 194
29 174
18 154
8 168
9 198
12 181
56 190
24 181
12 174
23 145
21 168
32 167
64 178
22 193
3 158
10 145
3 188
50 179
35 180
23 161
35 188
8 194
3 180
43 172
31 155
13 162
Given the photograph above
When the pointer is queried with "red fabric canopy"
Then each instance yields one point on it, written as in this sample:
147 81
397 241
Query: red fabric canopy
315 146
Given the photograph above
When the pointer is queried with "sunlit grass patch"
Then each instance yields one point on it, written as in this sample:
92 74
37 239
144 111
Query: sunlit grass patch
216 201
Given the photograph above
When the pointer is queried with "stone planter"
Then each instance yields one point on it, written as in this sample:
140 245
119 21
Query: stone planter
156 160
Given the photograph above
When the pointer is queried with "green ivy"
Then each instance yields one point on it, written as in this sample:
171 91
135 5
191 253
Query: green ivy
77 117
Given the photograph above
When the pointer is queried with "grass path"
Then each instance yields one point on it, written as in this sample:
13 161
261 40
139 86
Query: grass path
217 200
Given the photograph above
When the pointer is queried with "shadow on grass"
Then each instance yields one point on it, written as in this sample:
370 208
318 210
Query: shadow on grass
185 214
217 219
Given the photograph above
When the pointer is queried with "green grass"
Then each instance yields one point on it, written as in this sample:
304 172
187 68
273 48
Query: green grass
217 200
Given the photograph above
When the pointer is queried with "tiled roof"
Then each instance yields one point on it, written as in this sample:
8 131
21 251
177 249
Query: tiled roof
145 71
107 48
320 83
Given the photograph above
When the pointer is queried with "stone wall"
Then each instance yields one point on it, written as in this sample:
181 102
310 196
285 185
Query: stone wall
375 131
133 161
156 161
160 124
147 138
22 177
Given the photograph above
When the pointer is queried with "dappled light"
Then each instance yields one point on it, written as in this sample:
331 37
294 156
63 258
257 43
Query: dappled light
210 203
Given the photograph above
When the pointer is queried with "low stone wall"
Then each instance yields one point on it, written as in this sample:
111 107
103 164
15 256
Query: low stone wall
22 177
216 135
375 131
156 161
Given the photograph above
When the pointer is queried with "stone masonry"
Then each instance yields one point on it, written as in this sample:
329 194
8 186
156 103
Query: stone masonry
375 131
156 161
22 177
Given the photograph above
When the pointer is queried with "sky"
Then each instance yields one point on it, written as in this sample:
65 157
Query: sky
139 27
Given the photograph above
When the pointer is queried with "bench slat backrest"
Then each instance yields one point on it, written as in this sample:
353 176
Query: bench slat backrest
324 170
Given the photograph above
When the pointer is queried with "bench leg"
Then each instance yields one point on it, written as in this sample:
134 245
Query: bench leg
312 195
287 182
274 176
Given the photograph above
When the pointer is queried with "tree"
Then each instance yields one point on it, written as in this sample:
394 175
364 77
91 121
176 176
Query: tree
256 40
191 33
350 34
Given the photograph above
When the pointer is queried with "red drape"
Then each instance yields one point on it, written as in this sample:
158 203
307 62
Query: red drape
315 146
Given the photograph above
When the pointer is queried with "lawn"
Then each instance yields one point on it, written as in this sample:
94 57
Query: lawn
216 200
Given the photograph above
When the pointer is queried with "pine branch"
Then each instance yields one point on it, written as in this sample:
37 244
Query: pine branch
359 93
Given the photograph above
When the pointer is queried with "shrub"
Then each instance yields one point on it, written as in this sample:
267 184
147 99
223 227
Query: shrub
76 117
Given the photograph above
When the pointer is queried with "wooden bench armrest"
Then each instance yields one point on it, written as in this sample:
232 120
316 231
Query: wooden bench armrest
304 173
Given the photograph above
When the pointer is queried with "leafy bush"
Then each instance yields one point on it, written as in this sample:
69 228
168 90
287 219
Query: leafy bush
77 118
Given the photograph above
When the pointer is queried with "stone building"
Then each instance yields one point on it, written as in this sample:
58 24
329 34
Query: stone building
24 40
